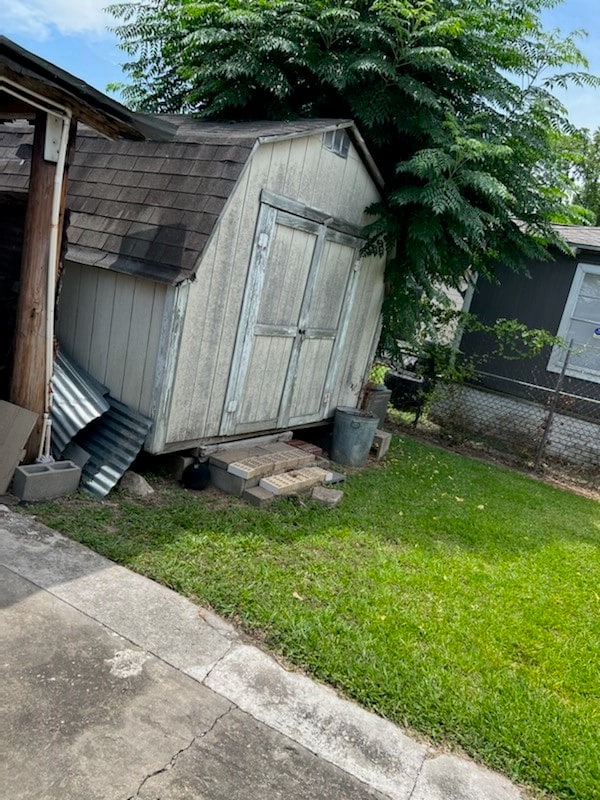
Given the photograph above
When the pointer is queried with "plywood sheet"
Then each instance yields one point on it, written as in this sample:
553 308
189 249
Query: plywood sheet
16 424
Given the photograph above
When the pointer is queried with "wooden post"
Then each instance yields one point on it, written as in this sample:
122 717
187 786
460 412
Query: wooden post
28 384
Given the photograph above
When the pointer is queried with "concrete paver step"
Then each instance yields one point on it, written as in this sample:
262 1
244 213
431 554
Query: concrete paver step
269 463
295 481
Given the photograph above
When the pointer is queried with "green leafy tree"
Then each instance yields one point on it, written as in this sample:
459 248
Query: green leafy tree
454 98
584 151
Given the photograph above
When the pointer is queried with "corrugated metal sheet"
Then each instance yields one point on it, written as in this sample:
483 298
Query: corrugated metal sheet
113 441
78 399
110 432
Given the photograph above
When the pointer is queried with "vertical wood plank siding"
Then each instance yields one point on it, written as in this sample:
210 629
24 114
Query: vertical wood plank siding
301 169
111 326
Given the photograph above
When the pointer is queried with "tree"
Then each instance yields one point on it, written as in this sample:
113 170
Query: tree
585 155
454 99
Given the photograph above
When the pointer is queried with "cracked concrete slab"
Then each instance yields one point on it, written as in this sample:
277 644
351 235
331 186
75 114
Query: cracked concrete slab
116 687
85 712
372 749
242 758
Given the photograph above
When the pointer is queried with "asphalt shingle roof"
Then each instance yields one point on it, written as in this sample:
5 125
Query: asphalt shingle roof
580 235
148 208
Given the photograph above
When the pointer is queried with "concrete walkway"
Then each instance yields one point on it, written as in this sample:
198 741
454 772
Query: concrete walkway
115 687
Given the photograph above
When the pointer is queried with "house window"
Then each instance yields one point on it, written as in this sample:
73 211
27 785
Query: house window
337 141
580 324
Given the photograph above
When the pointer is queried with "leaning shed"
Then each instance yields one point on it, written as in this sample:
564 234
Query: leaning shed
215 282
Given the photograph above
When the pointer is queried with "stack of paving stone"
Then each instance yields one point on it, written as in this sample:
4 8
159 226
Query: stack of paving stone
259 474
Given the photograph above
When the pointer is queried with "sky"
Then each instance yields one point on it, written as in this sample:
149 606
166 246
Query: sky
73 34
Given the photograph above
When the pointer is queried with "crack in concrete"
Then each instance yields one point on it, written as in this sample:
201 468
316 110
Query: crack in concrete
173 760
426 757
217 662
321 756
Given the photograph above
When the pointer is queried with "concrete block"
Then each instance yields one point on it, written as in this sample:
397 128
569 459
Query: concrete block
259 497
177 463
73 452
295 481
260 465
381 443
327 497
224 458
334 477
231 484
36 482
275 447
307 447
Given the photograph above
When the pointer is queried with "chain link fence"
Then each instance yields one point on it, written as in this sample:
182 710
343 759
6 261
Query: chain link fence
531 412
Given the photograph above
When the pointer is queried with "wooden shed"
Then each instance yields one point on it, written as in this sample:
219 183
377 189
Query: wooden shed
214 282
32 206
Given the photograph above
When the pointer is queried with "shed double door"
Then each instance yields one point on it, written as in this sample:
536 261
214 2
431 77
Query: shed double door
298 296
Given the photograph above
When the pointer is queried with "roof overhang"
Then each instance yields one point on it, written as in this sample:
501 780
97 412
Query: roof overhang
29 82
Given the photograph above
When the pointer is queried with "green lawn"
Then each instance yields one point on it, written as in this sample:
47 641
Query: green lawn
457 598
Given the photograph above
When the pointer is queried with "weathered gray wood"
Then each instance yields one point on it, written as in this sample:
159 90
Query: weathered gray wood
16 425
137 343
150 363
307 213
248 317
211 327
86 305
102 314
169 347
110 324
67 305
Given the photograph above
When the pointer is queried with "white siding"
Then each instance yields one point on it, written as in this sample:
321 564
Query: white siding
110 324
302 170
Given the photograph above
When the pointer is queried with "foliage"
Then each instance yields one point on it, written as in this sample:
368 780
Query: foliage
433 342
585 154
454 99
451 596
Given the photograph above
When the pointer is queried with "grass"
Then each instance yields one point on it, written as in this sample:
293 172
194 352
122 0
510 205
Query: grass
454 597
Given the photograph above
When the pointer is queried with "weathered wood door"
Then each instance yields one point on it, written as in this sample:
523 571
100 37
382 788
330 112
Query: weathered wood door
298 295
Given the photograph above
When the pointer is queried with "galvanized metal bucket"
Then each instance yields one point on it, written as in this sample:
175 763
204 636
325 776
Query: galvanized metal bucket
353 434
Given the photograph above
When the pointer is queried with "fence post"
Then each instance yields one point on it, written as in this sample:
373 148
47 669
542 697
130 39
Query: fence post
552 409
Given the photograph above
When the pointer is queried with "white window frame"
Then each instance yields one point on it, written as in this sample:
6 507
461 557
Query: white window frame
555 362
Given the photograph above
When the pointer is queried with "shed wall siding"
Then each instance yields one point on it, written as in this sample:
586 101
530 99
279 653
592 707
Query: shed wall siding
300 169
110 324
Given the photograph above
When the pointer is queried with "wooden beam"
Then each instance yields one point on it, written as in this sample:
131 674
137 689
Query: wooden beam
28 384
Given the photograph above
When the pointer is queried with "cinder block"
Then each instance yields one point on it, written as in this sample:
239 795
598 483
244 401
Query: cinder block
260 465
381 442
295 481
231 484
223 458
334 477
257 496
177 463
36 482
